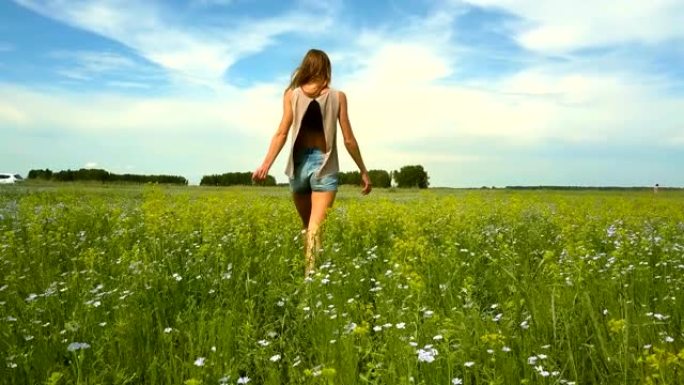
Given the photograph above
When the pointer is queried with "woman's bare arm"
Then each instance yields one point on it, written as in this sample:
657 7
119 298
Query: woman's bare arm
278 140
351 144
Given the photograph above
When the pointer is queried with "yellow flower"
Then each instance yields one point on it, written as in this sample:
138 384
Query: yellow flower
616 326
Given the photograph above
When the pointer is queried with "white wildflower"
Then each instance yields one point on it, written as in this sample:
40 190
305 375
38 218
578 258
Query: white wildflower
31 297
350 327
427 354
74 346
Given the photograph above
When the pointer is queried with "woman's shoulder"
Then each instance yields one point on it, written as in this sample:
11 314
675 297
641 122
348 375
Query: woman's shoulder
289 93
341 96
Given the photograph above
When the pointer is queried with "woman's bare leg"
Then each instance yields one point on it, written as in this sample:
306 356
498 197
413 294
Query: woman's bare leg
320 203
303 204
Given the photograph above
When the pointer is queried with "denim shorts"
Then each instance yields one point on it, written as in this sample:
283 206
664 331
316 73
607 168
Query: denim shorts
306 162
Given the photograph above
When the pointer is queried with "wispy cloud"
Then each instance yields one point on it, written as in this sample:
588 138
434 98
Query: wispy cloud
87 65
11 115
211 3
95 62
558 26
252 111
198 53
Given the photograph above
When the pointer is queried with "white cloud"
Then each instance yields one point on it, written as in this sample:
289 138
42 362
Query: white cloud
200 53
11 115
212 3
90 165
400 65
391 102
254 111
127 84
558 26
94 61
87 65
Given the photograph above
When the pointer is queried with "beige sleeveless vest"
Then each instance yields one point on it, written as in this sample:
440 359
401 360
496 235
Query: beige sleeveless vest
330 106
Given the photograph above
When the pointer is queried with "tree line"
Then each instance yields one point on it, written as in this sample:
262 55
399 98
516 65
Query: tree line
100 175
235 179
406 177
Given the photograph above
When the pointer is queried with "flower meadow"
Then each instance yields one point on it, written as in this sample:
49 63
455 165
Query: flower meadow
162 285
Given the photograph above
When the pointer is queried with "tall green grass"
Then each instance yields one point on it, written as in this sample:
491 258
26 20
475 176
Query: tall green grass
198 285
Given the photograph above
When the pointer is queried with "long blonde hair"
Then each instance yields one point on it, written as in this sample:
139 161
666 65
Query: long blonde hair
315 67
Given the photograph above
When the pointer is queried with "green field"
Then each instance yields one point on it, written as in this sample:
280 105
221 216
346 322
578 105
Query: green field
162 285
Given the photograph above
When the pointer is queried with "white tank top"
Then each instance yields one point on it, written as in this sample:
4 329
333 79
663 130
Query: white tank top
330 107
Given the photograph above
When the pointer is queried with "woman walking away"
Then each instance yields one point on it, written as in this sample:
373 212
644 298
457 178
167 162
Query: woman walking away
311 108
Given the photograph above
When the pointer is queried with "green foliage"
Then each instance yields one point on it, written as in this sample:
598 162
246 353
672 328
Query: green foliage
99 175
40 174
168 285
379 178
411 176
234 179
349 178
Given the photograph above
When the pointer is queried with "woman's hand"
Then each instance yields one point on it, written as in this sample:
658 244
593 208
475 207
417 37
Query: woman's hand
260 174
365 180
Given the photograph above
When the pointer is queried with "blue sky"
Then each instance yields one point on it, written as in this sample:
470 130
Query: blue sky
480 92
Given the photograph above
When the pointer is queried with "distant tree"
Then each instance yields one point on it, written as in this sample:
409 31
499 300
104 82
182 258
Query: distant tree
351 177
380 178
93 174
235 179
40 174
411 176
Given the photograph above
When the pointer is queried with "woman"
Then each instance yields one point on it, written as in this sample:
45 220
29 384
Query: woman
312 109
